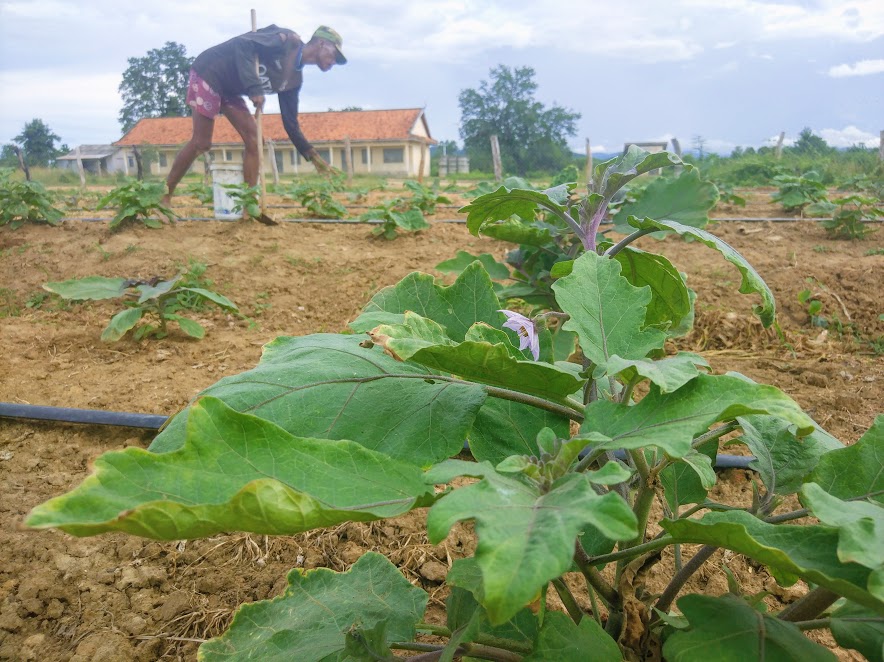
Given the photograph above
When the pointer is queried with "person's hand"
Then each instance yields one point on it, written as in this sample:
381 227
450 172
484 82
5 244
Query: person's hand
322 167
258 101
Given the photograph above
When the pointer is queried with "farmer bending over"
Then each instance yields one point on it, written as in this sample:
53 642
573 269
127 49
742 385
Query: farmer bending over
221 76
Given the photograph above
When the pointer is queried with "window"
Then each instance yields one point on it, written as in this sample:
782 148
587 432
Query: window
162 160
343 159
131 160
325 154
279 158
394 155
228 155
365 155
296 157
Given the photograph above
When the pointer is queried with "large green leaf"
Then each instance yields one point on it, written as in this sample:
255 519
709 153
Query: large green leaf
861 525
214 297
91 287
463 259
563 640
423 341
328 386
468 300
686 199
503 203
310 621
526 537
751 281
670 421
670 374
607 312
782 460
854 626
516 231
503 428
690 479
120 323
726 629
610 176
808 552
235 473
671 303
855 471
148 291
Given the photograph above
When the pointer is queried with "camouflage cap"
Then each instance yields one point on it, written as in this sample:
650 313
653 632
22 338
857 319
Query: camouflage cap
325 32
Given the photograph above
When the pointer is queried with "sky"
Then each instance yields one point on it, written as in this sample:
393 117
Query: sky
721 73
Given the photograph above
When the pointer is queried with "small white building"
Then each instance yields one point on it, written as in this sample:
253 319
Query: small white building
96 159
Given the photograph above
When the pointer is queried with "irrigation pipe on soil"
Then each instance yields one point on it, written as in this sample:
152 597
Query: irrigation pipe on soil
156 421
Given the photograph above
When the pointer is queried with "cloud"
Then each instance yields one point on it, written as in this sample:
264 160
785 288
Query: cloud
849 136
861 68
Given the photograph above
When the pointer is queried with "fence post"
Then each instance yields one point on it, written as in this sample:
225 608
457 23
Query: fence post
495 158
271 152
588 163
80 169
348 151
780 144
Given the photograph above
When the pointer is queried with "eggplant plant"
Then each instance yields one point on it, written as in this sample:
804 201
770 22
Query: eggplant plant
25 202
583 473
161 299
137 202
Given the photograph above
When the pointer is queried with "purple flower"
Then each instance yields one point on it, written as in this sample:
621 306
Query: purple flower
525 329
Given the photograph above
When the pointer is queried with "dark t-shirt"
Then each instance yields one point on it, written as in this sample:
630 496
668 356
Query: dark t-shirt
230 69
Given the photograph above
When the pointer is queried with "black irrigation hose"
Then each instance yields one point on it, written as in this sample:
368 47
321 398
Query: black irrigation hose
156 421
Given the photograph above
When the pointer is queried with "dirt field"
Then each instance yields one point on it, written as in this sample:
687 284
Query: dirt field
114 597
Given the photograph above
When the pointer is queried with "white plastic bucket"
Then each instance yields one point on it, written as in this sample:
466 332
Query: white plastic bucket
225 175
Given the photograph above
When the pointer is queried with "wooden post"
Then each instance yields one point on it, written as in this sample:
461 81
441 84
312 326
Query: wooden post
271 153
80 168
779 151
676 147
139 166
588 163
495 158
348 153
21 162
420 168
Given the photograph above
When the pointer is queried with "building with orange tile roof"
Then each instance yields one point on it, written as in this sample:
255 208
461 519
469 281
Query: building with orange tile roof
382 142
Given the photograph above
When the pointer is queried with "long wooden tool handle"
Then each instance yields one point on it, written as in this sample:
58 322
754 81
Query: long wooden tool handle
259 117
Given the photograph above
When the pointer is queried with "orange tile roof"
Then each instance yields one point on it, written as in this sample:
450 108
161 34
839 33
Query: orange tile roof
332 126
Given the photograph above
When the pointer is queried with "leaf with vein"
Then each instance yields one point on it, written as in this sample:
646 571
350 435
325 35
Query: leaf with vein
235 472
310 621
327 386
526 538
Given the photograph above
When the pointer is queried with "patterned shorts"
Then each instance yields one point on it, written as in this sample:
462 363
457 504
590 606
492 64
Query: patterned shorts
206 101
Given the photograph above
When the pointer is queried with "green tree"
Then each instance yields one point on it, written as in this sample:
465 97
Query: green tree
531 137
155 85
810 144
37 141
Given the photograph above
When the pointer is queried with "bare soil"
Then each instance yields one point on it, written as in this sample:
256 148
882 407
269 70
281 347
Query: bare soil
115 597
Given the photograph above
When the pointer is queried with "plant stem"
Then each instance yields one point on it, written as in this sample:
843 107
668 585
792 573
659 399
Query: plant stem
816 624
630 553
434 651
643 500
596 612
626 395
810 606
574 610
715 433
606 592
438 630
569 220
785 517
682 576
623 243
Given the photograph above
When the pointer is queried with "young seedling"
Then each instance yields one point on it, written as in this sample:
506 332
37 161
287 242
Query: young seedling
25 202
137 202
396 214
161 300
